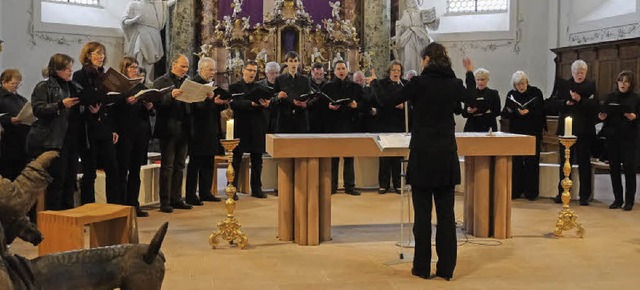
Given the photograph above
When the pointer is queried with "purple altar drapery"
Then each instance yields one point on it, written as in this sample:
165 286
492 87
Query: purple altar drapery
251 8
318 9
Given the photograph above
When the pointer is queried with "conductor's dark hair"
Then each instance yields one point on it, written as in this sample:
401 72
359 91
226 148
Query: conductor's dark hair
291 55
437 54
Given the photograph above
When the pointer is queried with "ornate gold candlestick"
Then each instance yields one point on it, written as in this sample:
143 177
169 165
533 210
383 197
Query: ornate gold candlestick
567 219
229 228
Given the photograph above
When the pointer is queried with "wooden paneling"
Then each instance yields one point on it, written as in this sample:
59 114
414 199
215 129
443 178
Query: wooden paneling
605 60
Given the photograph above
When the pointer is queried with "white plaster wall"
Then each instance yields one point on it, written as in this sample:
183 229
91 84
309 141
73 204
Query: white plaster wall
28 48
593 21
524 45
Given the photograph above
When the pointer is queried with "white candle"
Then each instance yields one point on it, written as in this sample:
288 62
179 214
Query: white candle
265 58
229 130
568 126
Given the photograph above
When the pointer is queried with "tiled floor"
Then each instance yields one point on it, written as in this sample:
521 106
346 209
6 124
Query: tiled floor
363 255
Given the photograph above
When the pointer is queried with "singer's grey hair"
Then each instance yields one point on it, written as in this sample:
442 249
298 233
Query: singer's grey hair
519 76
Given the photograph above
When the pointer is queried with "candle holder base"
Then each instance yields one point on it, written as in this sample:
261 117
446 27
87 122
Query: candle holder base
229 228
566 221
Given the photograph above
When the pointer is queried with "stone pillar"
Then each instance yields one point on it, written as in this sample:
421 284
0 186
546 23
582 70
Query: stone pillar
376 32
182 32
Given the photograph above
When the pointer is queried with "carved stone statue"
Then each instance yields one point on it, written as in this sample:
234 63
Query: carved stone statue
335 9
316 56
236 63
237 7
337 58
262 55
411 34
141 23
205 50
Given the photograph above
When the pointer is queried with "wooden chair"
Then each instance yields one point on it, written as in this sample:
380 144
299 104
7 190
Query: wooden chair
109 224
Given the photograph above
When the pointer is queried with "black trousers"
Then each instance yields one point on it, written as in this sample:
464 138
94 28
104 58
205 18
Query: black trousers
446 245
173 152
200 169
348 173
580 153
132 154
389 167
622 150
525 174
256 169
105 151
63 170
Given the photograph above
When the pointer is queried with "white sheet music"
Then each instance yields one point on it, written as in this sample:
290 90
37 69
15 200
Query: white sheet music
26 116
393 141
194 92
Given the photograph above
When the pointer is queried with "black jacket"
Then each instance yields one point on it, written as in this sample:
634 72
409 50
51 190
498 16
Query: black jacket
584 113
616 124
533 122
55 122
14 137
488 103
133 119
97 126
205 137
291 118
172 115
271 116
343 119
388 118
436 95
250 126
316 108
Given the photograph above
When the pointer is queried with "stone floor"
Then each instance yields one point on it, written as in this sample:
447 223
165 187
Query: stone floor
363 254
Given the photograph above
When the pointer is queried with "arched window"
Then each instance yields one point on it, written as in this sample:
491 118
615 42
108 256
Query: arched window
476 6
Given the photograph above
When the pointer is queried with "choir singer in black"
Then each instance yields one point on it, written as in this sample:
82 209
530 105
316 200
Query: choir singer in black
249 101
620 116
481 111
576 98
290 104
340 118
204 140
524 108
172 128
389 117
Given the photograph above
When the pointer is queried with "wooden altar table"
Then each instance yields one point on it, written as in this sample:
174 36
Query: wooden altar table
304 179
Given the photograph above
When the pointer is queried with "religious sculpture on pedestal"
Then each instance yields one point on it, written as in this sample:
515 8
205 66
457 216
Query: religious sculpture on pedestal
411 34
141 23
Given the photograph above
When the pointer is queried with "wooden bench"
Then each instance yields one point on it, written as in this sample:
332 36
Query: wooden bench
109 224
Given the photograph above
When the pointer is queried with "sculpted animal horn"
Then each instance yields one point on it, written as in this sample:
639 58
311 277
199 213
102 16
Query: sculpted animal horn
156 242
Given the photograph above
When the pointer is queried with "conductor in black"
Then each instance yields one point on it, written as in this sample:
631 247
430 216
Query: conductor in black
433 168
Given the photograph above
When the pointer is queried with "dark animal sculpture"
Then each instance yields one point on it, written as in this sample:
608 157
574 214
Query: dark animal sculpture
128 267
